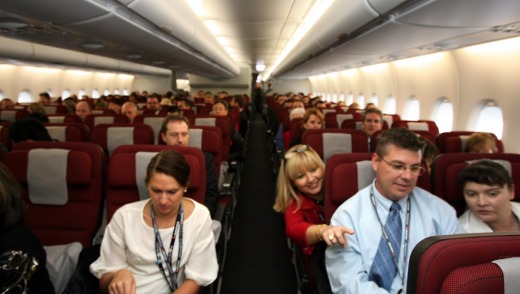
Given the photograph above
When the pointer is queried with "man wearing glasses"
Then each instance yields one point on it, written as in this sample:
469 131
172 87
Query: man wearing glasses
390 217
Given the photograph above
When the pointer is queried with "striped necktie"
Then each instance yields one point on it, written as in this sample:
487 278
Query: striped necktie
383 268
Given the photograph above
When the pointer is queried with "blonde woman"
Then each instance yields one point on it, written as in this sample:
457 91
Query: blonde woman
300 198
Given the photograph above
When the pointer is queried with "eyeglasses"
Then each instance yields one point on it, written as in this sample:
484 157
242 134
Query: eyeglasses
299 149
415 169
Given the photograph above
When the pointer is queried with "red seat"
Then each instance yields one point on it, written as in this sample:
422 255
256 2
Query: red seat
4 134
418 125
127 170
356 167
456 140
55 109
64 118
333 120
447 166
460 263
154 121
327 142
66 205
93 120
391 118
68 132
111 136
12 115
223 123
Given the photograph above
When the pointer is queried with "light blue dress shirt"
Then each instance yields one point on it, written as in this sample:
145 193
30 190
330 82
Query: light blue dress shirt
348 268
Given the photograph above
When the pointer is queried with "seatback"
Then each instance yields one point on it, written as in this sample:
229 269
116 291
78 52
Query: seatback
223 123
447 166
64 118
55 109
68 132
460 263
418 125
455 141
154 121
111 136
93 120
295 129
4 134
62 187
127 171
333 120
391 118
208 139
356 167
12 115
327 142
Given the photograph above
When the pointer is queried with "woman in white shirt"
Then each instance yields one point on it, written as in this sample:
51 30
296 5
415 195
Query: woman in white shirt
160 245
488 191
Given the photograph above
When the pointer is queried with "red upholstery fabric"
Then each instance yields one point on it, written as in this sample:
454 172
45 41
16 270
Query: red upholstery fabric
295 130
452 142
331 119
340 167
4 134
121 185
446 168
224 124
314 138
143 134
476 279
74 132
77 220
94 119
435 258
212 144
432 126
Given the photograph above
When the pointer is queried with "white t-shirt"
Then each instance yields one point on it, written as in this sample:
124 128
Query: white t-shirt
473 224
130 243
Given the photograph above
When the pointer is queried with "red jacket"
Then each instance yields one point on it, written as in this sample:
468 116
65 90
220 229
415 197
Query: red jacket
297 222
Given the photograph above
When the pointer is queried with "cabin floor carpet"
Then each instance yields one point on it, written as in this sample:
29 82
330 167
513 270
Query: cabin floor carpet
258 259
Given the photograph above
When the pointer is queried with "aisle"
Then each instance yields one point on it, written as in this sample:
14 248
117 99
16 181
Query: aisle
258 258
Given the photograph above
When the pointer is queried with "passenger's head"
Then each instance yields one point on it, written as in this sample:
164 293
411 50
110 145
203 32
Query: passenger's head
167 174
297 104
301 172
372 121
182 104
354 106
83 109
238 100
481 143
220 108
166 102
129 109
397 163
312 119
488 190
37 107
174 110
175 130
6 103
429 152
152 102
70 104
28 129
370 105
11 204
115 105
45 98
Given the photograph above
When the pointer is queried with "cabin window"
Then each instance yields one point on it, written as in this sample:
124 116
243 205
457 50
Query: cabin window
106 92
49 91
390 105
350 99
374 99
361 100
95 93
335 97
65 94
328 97
116 91
342 97
125 92
81 93
25 97
490 119
443 115
1 95
412 109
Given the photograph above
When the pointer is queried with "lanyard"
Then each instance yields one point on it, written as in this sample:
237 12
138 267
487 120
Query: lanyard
387 240
161 253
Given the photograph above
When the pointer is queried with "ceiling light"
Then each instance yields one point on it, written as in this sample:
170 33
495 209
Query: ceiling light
315 13
12 23
260 67
92 45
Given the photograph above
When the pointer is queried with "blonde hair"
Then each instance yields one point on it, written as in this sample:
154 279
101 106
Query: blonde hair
478 140
289 170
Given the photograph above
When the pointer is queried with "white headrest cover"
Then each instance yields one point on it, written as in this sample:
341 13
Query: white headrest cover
366 173
57 132
103 120
334 143
47 176
142 159
341 117
511 269
196 138
155 123
119 136
418 126
205 121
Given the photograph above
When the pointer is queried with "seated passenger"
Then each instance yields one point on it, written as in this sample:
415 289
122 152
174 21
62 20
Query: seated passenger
134 256
312 120
480 143
129 109
37 111
391 216
115 104
6 103
83 109
16 236
45 98
299 197
175 130
236 152
371 121
488 191
28 129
